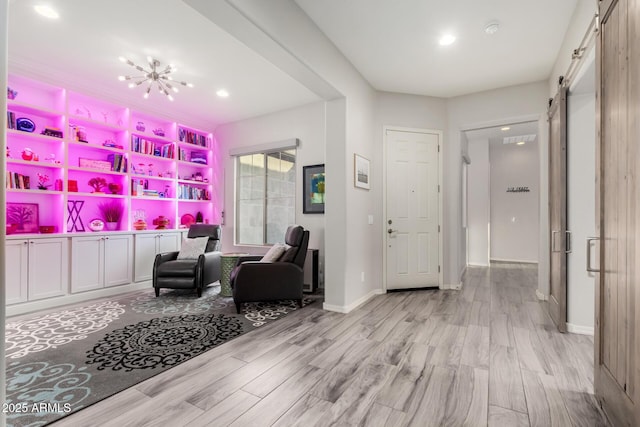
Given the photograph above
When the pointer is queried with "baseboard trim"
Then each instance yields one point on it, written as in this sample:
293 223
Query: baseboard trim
452 286
357 303
516 261
541 296
581 330
49 303
473 264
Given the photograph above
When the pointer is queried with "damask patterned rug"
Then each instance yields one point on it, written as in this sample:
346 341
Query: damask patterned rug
64 361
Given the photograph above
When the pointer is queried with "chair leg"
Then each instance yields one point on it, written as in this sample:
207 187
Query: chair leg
300 303
238 307
157 292
199 292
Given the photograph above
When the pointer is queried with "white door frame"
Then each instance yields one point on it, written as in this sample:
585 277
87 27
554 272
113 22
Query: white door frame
384 199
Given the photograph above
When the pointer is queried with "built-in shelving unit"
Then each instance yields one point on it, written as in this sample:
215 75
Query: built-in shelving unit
152 166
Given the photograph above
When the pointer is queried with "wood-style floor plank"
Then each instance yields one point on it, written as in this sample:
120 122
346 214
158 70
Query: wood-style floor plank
486 355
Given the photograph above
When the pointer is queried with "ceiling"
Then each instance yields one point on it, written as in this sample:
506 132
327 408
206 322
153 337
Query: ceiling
394 44
80 51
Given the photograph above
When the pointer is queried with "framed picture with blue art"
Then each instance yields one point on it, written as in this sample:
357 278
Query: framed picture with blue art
313 189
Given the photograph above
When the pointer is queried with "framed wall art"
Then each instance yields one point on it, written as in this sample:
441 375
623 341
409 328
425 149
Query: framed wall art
313 189
24 216
361 172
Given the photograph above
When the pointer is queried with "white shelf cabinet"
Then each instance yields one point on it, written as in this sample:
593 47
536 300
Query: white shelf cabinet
37 269
148 246
17 260
99 261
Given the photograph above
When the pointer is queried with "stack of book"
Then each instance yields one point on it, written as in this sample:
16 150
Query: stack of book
192 137
11 120
16 180
143 146
186 192
118 162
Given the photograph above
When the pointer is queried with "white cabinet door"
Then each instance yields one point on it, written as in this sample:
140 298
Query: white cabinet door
118 260
48 268
169 242
17 261
87 263
145 253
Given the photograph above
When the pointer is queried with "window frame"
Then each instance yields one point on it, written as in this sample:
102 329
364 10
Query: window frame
236 199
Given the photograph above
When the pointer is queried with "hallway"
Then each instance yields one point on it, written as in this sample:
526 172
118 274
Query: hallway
488 354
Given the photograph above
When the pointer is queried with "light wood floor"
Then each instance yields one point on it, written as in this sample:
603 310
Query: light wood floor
486 355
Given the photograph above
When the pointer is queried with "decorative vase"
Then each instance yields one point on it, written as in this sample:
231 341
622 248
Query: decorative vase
140 127
140 224
111 226
162 222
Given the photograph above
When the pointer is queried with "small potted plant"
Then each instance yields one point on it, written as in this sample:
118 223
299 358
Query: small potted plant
98 184
42 181
111 212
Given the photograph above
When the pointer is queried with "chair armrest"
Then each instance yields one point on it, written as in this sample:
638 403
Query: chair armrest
164 257
248 258
212 267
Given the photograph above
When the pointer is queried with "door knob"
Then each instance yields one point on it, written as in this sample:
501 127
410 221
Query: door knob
391 231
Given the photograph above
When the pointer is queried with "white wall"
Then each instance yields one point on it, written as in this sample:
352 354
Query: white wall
352 248
478 198
491 108
307 123
581 149
514 216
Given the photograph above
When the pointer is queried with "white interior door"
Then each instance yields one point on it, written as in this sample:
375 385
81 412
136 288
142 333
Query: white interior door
412 244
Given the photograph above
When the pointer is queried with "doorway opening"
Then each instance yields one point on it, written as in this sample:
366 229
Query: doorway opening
502 194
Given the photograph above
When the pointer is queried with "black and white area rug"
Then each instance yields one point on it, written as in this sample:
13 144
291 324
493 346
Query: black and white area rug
61 362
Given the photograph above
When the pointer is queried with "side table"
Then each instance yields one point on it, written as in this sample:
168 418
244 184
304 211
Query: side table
228 262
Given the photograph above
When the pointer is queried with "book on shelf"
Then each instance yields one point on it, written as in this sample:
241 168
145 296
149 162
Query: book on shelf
118 162
187 192
17 181
191 137
143 146
11 120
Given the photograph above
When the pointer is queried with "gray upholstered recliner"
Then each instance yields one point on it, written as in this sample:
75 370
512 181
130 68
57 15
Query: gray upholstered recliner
252 280
170 272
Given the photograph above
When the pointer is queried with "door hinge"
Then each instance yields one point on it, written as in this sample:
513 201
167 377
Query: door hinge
438 229
438 188
438 269
438 148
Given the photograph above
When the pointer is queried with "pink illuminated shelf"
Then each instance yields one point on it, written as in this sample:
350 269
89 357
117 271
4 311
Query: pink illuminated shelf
155 178
36 164
166 199
33 135
151 137
77 168
194 164
188 181
192 146
150 157
102 195
97 124
95 147
32 109
194 200
33 191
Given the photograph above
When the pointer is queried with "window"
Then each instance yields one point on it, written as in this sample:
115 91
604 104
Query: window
265 196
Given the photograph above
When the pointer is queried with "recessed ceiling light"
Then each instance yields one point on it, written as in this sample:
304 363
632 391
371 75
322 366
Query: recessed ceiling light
46 11
447 39
492 28
222 93
506 128
520 143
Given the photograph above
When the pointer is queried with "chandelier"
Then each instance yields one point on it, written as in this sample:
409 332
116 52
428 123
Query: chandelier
154 75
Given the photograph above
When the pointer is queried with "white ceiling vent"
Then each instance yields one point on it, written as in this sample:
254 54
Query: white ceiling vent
519 138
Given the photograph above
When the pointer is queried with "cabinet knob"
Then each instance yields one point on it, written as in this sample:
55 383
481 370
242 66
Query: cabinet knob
26 243
106 238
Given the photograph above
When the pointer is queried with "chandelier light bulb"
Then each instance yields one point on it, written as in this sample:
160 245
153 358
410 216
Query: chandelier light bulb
447 40
222 93
156 74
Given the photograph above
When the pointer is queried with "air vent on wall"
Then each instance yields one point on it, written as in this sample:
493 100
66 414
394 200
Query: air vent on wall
519 138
